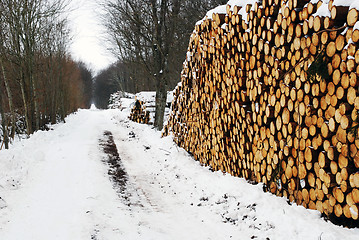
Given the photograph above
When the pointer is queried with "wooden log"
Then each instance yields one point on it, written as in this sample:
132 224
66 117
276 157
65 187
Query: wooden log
339 14
331 49
352 17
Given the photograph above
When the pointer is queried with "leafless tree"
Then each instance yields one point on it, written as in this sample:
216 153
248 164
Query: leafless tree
153 36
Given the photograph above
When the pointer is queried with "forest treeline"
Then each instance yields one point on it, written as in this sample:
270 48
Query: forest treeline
39 82
150 38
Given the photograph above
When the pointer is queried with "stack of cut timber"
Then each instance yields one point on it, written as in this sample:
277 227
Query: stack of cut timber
149 103
139 113
269 92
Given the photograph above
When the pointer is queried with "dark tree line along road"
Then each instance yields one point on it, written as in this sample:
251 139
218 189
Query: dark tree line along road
39 82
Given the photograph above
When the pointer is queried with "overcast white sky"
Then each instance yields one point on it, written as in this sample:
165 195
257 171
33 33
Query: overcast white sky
88 44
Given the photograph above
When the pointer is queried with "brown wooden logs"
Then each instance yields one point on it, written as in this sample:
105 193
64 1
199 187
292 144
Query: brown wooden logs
273 98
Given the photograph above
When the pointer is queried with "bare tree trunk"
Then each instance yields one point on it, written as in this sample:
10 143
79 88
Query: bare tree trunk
161 98
61 94
53 105
4 125
10 101
35 100
26 107
3 118
159 60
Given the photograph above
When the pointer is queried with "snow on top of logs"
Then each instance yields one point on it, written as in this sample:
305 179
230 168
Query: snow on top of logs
220 10
348 3
241 3
356 26
316 1
323 11
189 55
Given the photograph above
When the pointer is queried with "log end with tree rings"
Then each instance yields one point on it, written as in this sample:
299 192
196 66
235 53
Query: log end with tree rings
352 17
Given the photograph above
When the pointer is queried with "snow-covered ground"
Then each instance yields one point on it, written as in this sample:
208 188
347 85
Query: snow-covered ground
55 186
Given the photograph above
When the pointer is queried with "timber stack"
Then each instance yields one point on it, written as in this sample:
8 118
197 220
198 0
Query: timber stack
269 92
139 114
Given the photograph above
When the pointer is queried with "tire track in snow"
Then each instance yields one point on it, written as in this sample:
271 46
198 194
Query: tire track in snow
116 171
133 196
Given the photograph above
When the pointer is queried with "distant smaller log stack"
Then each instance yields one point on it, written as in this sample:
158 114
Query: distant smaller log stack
139 113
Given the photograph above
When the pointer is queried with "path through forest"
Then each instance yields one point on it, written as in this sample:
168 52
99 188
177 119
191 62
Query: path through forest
61 184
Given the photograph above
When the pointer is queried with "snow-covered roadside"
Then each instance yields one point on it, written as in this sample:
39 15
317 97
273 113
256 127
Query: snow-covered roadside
201 204
56 187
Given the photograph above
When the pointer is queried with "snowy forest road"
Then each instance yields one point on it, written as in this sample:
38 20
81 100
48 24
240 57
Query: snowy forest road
66 193
101 177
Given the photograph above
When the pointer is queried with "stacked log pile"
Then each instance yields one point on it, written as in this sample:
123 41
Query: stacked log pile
148 102
269 92
139 114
